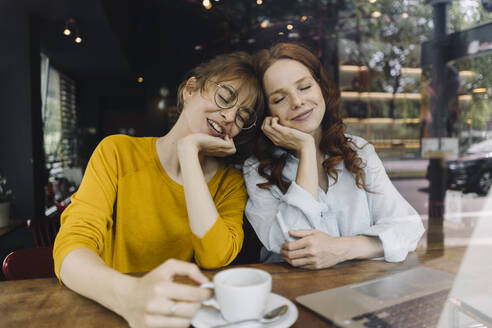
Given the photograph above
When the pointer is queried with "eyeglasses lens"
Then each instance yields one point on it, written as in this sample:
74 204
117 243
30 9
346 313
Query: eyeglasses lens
245 118
225 97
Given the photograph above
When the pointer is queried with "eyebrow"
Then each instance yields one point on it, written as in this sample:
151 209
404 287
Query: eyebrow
296 82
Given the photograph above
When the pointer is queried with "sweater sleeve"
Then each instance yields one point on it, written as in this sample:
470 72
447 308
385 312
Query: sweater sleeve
86 221
272 214
393 219
223 242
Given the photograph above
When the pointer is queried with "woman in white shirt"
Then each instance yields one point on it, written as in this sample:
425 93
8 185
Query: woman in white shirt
318 196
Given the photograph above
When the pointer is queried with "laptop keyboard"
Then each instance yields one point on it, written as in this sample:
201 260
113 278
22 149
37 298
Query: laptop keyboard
422 312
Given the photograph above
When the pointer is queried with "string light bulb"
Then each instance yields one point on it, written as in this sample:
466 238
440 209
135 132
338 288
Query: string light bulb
207 4
376 14
259 2
69 26
290 27
140 79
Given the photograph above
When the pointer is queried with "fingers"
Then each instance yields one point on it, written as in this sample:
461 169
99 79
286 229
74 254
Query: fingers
300 262
173 267
167 307
184 292
216 146
295 245
305 258
269 130
294 254
229 139
273 123
284 136
266 122
276 125
229 142
266 127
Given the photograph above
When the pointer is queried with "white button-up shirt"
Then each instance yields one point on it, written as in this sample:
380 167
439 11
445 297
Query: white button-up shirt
344 210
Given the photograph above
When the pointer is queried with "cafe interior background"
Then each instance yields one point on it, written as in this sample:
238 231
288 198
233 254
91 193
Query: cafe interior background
73 72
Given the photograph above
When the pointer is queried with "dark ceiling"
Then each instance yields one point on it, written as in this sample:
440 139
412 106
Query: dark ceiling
98 56
158 39
123 39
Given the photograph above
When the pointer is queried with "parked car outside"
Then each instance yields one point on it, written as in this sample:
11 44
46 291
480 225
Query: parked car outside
472 172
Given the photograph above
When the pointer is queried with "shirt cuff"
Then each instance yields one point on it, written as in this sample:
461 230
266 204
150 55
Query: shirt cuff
394 246
398 239
303 200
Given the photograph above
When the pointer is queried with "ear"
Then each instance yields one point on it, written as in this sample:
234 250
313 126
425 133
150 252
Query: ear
190 88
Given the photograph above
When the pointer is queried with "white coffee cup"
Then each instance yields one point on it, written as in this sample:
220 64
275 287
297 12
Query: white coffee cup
240 293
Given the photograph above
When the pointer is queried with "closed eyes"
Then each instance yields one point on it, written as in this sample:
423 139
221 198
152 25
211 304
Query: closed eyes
277 101
303 88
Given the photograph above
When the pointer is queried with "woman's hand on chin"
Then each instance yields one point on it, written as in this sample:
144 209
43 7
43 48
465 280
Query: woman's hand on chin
208 145
156 301
315 249
283 136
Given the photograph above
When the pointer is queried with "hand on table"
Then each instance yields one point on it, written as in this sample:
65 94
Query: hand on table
315 249
156 301
208 145
283 136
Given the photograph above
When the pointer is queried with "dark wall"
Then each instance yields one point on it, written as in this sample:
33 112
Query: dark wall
88 120
21 152
115 106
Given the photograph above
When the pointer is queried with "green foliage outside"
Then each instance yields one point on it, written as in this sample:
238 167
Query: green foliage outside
386 37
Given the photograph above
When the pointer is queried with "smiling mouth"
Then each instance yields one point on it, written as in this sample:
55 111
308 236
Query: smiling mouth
303 115
216 128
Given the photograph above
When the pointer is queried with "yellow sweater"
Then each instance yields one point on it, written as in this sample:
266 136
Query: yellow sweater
131 213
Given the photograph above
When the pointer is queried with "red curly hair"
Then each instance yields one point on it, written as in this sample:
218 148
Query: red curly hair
333 141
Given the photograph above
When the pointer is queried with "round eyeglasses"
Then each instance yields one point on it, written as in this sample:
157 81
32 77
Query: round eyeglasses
226 97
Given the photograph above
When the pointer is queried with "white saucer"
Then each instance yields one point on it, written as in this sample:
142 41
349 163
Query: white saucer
206 318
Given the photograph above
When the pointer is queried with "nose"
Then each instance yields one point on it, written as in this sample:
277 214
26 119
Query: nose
229 114
296 100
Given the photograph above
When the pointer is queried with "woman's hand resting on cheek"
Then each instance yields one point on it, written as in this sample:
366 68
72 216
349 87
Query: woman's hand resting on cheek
208 145
315 249
155 300
283 136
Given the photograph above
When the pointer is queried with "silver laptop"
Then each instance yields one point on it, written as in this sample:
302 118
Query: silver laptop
420 293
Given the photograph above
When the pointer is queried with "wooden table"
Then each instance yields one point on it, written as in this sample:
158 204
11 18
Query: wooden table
45 303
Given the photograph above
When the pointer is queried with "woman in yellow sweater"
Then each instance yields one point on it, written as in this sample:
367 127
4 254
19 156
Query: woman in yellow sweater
150 204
